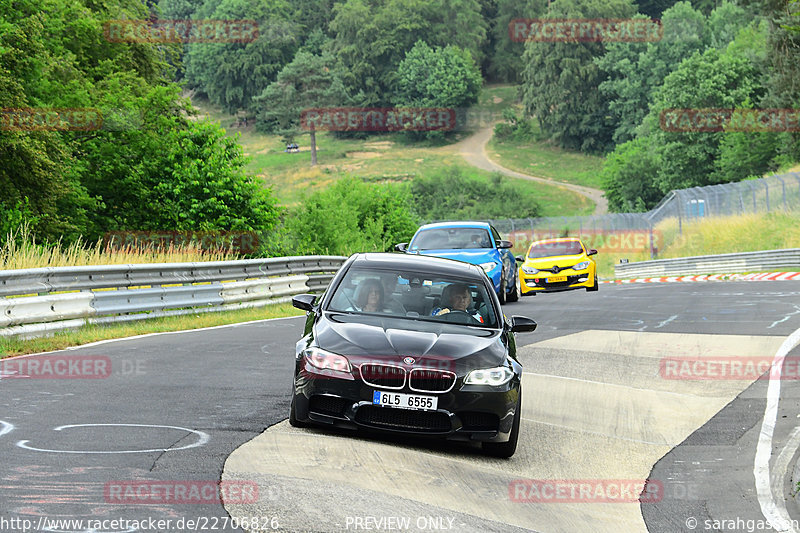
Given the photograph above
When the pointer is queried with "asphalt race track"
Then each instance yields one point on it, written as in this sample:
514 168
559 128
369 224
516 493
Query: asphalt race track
601 410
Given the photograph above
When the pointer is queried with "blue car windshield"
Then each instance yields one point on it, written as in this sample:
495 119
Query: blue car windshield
451 239
415 295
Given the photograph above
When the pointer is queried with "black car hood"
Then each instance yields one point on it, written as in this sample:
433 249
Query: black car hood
392 339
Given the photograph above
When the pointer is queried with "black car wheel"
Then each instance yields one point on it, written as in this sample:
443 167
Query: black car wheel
513 296
503 288
506 449
594 287
293 421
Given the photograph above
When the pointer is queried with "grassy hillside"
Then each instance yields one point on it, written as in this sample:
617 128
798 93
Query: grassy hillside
380 157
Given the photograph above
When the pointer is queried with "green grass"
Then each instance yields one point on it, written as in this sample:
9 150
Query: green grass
497 97
720 235
93 333
541 159
390 156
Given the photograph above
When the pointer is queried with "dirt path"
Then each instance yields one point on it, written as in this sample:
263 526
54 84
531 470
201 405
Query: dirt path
473 150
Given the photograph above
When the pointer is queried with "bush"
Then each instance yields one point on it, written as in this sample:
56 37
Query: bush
351 216
452 194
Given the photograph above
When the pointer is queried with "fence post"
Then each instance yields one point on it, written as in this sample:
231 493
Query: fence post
783 191
652 245
766 190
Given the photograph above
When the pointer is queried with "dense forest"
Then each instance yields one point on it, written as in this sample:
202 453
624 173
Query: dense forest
152 166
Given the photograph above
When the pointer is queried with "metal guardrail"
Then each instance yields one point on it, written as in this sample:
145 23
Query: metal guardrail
39 301
770 260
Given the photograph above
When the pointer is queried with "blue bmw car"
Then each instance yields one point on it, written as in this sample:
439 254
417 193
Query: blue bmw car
471 242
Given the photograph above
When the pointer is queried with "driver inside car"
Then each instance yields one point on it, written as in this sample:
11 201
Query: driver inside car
456 297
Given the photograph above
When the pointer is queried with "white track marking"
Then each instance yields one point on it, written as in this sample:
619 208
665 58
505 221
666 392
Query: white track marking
5 428
667 321
204 438
776 515
784 319
782 467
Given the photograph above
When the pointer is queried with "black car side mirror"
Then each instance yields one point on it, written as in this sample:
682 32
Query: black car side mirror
504 244
521 324
401 247
591 252
304 301
520 259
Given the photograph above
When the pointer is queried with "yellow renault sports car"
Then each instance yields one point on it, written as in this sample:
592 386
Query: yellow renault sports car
557 265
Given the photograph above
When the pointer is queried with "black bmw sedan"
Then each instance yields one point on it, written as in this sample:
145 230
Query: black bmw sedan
410 344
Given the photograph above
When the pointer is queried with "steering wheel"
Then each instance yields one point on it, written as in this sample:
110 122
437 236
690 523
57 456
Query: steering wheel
459 316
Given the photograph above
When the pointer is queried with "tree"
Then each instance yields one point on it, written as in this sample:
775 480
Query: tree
629 176
441 77
231 74
505 58
371 38
635 69
560 80
309 81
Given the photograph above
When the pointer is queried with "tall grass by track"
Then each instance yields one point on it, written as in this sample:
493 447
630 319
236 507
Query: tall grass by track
21 250
711 236
94 333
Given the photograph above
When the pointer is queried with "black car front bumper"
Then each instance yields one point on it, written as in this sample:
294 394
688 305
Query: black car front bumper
466 412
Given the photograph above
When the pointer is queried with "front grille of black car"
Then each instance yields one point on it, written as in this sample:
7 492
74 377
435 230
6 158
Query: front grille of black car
428 380
404 419
328 405
384 376
475 421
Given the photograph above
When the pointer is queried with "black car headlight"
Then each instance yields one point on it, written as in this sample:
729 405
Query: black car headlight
324 360
499 375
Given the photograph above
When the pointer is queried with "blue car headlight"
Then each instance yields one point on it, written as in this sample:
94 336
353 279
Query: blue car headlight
583 265
488 267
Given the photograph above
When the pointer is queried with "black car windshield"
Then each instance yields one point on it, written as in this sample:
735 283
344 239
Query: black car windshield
451 239
415 295
554 248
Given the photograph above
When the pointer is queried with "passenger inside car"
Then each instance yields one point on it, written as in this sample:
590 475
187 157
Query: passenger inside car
369 296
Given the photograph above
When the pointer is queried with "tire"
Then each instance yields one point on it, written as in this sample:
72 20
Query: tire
514 295
594 287
293 421
502 294
506 449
